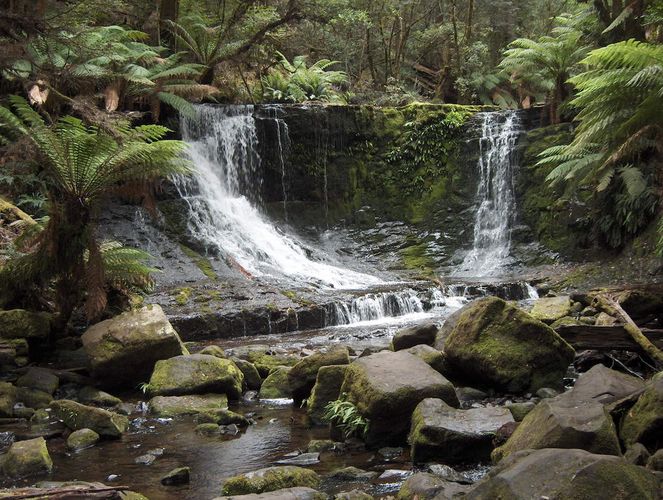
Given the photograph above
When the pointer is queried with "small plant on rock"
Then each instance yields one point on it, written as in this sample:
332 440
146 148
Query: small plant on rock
345 415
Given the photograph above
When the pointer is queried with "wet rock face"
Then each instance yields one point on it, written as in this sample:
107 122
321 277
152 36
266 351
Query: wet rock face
270 479
387 386
493 344
560 474
440 432
124 349
196 374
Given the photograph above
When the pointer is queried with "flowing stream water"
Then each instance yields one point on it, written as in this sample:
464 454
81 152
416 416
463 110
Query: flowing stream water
495 196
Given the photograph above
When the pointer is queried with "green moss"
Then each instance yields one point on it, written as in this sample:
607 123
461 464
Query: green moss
201 262
270 479
183 296
644 422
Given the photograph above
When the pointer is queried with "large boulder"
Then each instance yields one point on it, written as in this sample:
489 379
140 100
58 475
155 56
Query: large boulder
277 384
644 421
176 406
387 386
327 388
270 479
414 335
22 324
196 374
494 344
440 432
550 309
77 416
123 350
605 386
26 458
560 474
302 376
563 422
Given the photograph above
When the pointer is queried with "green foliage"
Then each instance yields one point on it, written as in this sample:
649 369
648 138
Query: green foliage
617 145
345 415
297 82
80 166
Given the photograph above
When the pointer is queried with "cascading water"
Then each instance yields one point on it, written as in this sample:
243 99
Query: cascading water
495 195
223 194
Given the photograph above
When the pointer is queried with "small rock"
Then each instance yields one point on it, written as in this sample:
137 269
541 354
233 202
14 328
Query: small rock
320 445
229 430
520 410
302 460
353 495
94 397
146 459
208 429
176 477
388 454
466 394
40 379
26 458
546 393
395 475
448 473
655 462
637 454
81 439
352 474
270 479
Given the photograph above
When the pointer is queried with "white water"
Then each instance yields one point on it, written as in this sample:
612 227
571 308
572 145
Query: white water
495 194
223 195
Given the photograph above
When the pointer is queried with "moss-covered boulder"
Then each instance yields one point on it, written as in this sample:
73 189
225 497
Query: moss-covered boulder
414 335
494 344
123 350
7 399
277 384
223 416
550 309
563 422
327 388
40 379
33 398
302 376
196 374
81 439
644 421
265 363
431 356
176 406
252 379
440 432
561 474
270 479
299 493
426 486
77 416
27 458
22 324
387 386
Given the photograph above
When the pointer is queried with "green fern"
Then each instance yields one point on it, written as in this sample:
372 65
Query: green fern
345 415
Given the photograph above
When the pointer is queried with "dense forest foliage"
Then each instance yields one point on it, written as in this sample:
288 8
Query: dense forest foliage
85 84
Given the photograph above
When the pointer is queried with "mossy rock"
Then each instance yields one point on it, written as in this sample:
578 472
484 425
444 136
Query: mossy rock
8 395
270 479
81 439
177 406
33 398
644 421
265 363
431 356
496 345
414 336
214 350
92 396
22 324
252 378
566 474
565 321
550 309
40 379
196 374
124 349
564 422
327 388
424 485
387 386
222 416
302 376
26 458
77 416
276 385
521 410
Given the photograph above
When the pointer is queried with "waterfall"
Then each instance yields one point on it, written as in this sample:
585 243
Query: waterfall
282 150
223 194
495 196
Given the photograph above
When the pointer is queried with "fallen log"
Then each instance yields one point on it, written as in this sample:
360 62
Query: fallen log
606 338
